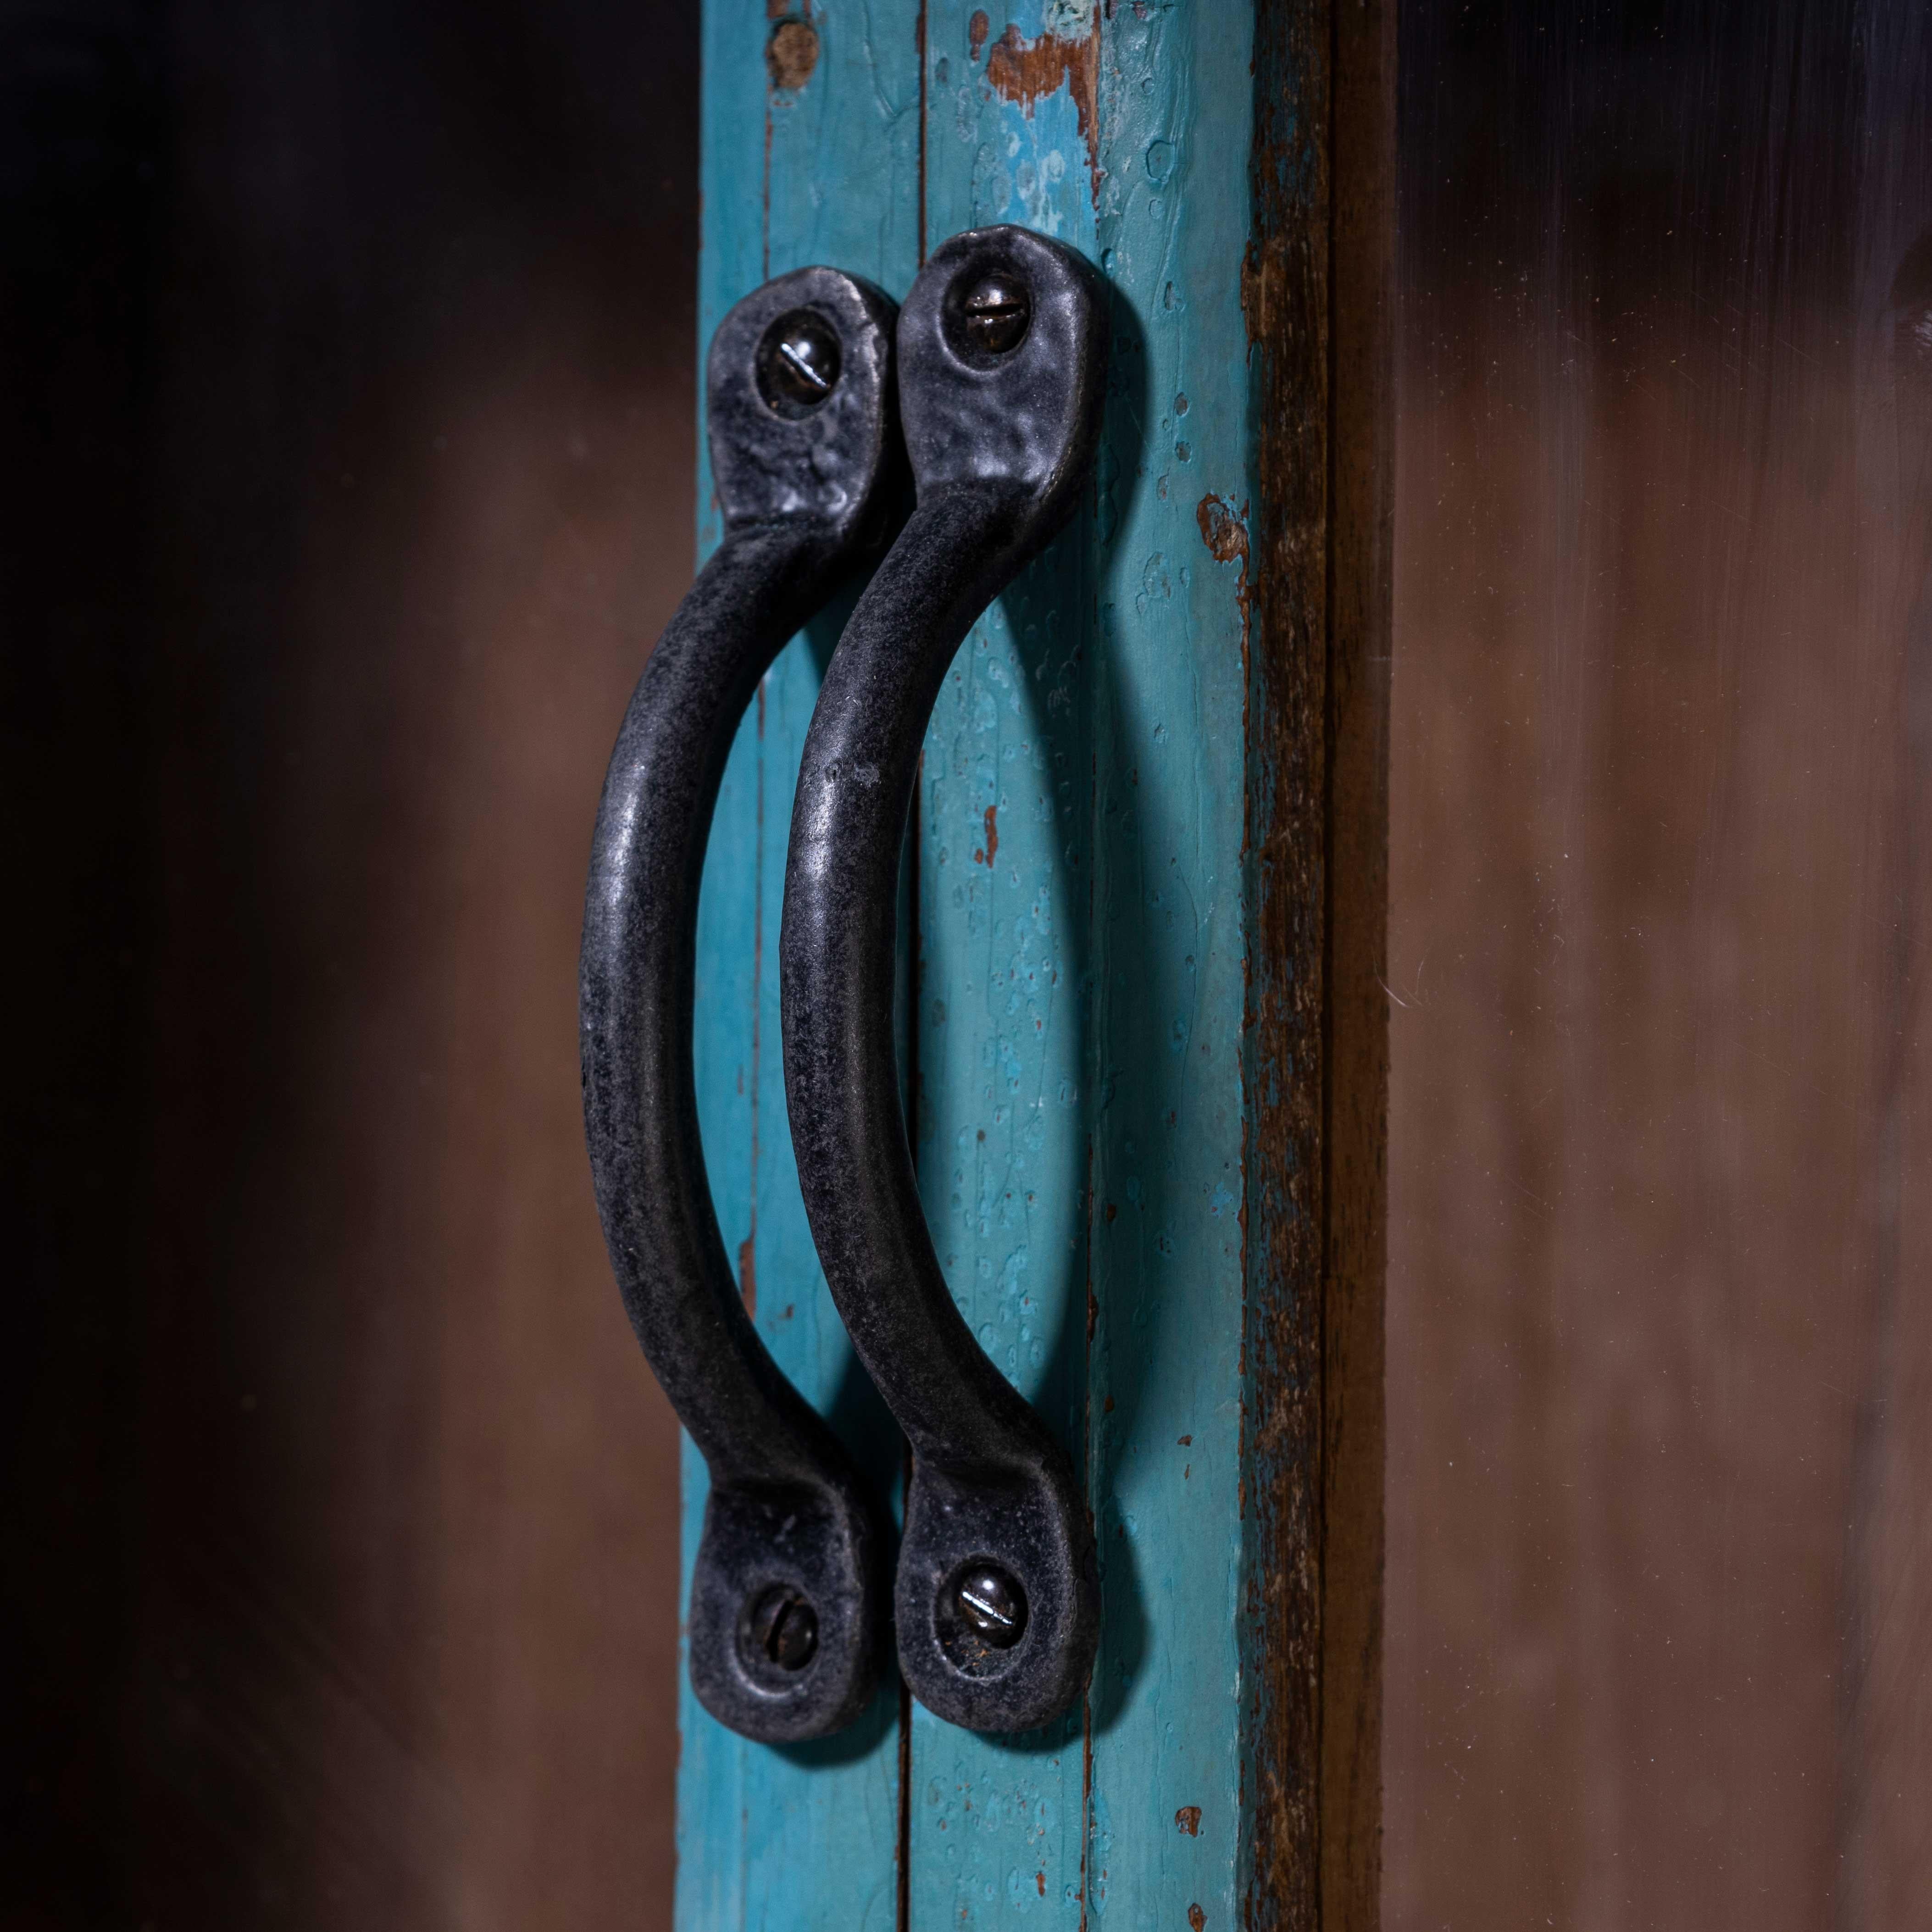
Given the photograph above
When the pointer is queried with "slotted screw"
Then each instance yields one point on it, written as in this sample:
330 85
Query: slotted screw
786 1628
998 314
991 1605
798 366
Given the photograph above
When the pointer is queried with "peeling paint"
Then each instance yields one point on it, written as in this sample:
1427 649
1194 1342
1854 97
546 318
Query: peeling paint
1224 529
1025 71
791 54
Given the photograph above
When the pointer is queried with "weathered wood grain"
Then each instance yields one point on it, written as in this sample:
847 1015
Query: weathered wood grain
1362 417
1285 298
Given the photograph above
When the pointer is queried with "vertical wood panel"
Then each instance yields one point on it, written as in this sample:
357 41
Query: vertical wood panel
1145 110
1004 1124
1119 1116
824 171
1168 1826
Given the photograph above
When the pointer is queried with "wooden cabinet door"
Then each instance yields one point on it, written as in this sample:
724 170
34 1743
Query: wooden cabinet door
1147 883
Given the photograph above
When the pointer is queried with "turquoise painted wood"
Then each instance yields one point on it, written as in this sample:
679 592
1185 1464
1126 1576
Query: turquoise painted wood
1079 1109
771 1840
1081 1146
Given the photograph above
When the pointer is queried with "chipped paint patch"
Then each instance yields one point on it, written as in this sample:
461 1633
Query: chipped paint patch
1025 72
791 54
1224 529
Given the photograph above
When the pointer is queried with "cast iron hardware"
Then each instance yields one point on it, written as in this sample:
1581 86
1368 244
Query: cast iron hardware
1002 352
786 1595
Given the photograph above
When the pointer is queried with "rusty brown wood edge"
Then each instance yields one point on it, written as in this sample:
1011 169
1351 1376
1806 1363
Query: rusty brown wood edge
1318 292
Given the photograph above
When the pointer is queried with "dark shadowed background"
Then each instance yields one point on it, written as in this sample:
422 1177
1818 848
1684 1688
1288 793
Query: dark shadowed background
345 355
345 361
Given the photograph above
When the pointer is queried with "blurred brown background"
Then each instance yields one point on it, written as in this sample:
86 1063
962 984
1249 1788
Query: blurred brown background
345 356
346 361
1660 1611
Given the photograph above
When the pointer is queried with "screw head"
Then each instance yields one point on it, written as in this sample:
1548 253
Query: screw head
991 1605
998 312
798 363
786 1628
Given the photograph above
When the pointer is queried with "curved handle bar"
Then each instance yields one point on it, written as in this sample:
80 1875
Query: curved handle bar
996 1601
785 1594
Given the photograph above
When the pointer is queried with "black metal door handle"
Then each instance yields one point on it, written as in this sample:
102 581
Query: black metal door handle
785 1595
1001 352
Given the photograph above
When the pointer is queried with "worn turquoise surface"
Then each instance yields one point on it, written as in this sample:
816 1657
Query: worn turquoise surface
778 1841
1078 1121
